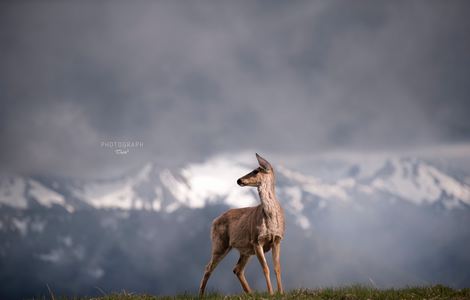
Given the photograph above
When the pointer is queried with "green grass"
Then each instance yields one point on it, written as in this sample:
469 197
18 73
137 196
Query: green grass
343 293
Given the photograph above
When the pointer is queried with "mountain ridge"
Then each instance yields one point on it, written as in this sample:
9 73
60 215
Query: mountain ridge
213 181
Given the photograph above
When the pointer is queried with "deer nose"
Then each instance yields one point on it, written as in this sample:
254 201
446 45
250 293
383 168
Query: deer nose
239 182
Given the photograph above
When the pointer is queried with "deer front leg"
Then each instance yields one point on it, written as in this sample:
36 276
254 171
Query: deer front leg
277 263
262 260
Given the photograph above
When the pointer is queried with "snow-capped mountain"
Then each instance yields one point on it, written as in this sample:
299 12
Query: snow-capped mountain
15 191
213 181
405 179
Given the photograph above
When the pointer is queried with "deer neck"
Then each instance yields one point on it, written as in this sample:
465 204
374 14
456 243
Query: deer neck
267 195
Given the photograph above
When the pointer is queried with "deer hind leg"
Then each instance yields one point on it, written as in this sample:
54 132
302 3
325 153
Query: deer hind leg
239 270
277 263
219 250
262 260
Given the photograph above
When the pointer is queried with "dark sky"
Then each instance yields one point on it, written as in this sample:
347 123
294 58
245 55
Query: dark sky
193 78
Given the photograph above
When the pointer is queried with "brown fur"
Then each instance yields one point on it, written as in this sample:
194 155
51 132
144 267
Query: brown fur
250 230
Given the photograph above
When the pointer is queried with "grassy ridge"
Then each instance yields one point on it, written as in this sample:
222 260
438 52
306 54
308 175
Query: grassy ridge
353 292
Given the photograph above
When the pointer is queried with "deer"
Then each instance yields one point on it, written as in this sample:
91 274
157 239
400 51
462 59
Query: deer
250 230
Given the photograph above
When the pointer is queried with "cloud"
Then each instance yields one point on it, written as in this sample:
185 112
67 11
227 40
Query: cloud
193 79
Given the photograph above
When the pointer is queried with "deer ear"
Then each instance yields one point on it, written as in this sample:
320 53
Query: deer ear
263 163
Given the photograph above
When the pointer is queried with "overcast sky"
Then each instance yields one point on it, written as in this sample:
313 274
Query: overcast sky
193 78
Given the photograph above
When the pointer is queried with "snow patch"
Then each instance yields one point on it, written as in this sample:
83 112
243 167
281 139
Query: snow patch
316 187
172 207
12 191
144 173
21 225
451 186
119 193
303 222
329 191
47 197
295 198
208 182
157 202
114 195
421 183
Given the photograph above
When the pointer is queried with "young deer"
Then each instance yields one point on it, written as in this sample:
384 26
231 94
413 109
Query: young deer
250 230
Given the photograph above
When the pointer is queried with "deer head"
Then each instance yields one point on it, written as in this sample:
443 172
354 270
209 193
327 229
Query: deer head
264 173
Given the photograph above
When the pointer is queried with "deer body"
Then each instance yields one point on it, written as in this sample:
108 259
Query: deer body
250 230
